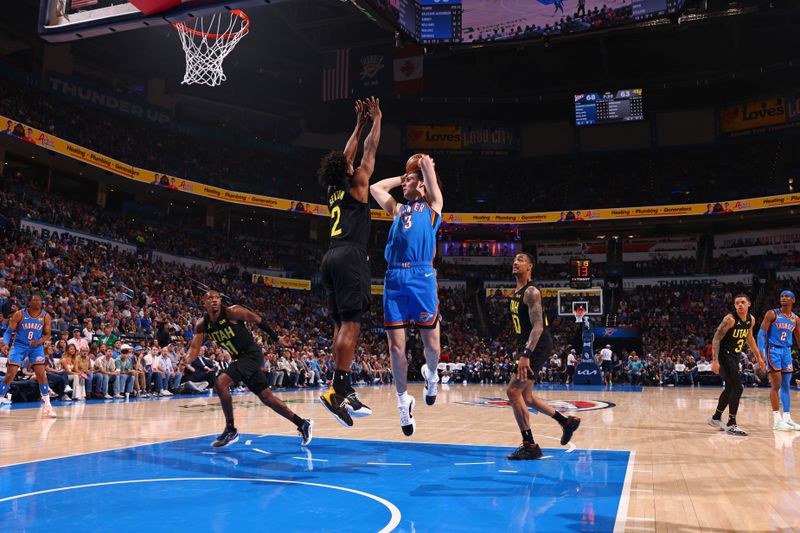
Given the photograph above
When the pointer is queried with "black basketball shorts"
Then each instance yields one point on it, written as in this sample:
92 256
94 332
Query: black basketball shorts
248 369
540 355
347 279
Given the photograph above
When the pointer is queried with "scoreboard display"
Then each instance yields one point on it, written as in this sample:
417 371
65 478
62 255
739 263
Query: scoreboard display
580 274
606 108
438 21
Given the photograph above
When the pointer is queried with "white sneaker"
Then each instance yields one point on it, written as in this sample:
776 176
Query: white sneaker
431 385
165 392
781 425
118 396
48 411
67 389
717 424
407 421
792 424
5 400
108 397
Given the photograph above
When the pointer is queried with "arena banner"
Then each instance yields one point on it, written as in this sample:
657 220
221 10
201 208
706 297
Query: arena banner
72 89
156 179
508 292
468 137
52 232
632 283
752 114
282 283
434 138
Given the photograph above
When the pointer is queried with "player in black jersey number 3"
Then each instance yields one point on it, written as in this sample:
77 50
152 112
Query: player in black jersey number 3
226 326
535 346
734 331
345 267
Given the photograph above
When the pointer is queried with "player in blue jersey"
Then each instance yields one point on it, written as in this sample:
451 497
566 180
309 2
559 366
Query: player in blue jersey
775 342
27 332
410 290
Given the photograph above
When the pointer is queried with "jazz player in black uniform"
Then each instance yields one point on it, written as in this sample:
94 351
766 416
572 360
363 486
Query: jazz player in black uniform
535 346
345 267
734 331
226 326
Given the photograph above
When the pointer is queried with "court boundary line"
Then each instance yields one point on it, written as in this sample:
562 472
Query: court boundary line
106 450
394 512
625 497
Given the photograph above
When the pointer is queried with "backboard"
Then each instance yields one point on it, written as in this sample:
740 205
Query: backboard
589 299
69 20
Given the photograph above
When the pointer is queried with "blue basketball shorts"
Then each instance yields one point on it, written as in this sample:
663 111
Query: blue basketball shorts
19 353
410 297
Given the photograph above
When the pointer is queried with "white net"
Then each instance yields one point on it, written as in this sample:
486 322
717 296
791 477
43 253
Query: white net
579 313
207 43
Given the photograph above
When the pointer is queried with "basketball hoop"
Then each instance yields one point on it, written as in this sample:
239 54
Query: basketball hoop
206 46
579 313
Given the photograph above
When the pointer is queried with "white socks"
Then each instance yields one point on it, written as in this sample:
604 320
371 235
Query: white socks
402 398
787 417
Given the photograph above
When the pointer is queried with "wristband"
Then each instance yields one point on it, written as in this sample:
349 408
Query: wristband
762 341
526 353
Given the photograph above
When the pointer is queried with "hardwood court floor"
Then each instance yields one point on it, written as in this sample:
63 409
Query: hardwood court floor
685 476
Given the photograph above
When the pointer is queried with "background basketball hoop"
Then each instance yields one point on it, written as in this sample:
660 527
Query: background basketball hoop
579 313
207 43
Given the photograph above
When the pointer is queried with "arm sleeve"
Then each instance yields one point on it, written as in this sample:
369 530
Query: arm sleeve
762 341
7 337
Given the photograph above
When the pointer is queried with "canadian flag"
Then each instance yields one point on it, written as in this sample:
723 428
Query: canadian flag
408 70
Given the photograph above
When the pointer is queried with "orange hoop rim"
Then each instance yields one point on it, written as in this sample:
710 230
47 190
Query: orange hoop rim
237 12
579 313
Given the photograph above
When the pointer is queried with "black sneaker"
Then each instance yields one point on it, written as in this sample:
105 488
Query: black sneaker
735 431
526 452
228 437
337 405
356 407
306 431
568 428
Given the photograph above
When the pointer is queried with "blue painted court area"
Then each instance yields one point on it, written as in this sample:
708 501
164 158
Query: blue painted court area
270 483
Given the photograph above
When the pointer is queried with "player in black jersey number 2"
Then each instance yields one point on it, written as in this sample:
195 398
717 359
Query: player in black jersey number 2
345 267
226 326
734 331
535 346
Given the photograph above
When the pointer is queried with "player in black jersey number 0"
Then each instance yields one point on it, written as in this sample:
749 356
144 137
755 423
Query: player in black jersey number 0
535 346
226 326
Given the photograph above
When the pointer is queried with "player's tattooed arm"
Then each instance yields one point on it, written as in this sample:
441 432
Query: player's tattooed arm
533 299
722 329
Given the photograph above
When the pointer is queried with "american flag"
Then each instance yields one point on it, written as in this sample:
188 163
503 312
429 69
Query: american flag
336 75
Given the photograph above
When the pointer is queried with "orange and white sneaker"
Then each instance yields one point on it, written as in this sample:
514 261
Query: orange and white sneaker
48 411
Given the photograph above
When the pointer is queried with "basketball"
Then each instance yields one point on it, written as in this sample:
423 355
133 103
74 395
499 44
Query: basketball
412 165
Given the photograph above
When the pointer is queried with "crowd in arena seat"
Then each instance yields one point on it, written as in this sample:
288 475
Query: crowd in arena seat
725 171
109 342
594 18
